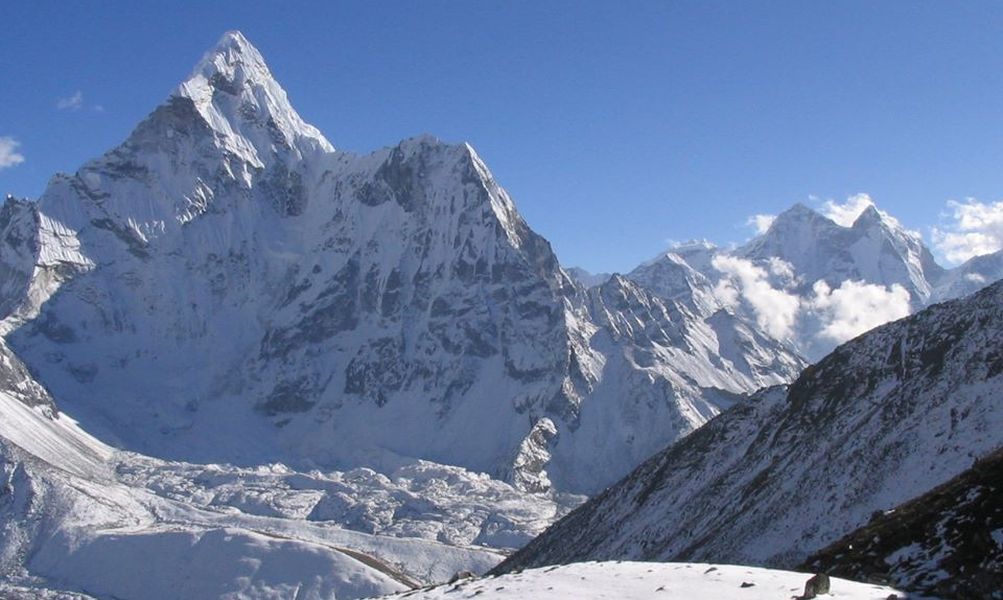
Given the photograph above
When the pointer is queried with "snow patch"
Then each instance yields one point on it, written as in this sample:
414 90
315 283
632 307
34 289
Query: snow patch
646 580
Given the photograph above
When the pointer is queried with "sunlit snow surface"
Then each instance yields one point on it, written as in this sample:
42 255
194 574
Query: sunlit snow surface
77 515
629 580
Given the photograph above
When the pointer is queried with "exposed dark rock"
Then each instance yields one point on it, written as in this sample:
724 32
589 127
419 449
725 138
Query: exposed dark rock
819 584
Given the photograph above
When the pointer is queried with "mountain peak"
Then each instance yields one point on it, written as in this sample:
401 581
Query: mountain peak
229 66
869 216
235 92
798 211
797 218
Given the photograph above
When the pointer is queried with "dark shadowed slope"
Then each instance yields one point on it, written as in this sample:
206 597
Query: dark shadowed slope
947 543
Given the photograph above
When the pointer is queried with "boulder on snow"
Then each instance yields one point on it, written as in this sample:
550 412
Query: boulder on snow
819 584
461 575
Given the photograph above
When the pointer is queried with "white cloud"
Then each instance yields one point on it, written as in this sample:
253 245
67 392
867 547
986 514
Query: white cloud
977 229
833 315
855 307
775 309
760 223
846 213
9 156
781 269
74 102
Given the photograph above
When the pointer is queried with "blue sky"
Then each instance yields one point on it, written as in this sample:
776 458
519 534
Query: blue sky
616 126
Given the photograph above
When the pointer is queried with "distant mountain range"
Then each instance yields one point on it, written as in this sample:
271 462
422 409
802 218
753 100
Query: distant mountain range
810 281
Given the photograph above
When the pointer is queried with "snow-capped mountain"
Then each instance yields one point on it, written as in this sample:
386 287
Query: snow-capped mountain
875 249
224 286
948 543
883 419
970 276
672 277
814 282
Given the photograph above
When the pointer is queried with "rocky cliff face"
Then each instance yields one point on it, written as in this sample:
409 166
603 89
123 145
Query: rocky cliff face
882 419
225 286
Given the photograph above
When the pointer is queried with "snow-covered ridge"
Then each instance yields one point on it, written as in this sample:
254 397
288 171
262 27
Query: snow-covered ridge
879 421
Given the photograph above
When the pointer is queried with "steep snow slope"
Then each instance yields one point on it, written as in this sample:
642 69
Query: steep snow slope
666 370
948 543
882 419
641 581
225 287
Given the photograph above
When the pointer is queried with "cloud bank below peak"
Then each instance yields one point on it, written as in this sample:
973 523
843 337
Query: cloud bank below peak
826 315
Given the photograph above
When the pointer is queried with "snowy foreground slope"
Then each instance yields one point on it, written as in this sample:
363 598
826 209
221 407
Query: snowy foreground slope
225 286
883 419
644 581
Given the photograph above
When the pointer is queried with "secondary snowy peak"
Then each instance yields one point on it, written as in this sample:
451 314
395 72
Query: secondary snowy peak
234 91
969 277
812 280
585 278
884 418
875 249
671 277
